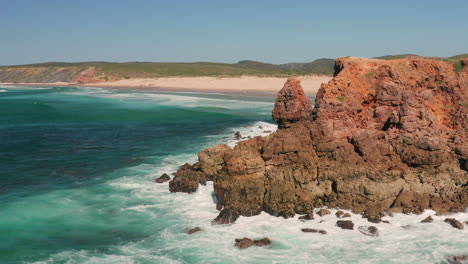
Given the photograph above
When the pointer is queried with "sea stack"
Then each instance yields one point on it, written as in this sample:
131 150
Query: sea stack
384 135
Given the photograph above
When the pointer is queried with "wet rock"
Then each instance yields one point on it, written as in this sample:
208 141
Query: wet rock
162 178
226 216
262 242
194 230
346 215
457 259
247 242
187 179
428 220
369 231
309 216
454 223
267 131
345 224
244 242
339 213
323 212
237 136
386 221
312 230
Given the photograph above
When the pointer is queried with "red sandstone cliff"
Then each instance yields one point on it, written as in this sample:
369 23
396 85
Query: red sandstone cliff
383 136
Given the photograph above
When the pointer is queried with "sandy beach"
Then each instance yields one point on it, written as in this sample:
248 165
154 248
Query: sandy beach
310 83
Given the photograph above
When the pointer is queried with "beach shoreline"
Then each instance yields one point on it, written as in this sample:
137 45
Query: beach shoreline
242 84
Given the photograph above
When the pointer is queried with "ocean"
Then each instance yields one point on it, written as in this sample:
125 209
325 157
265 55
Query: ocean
77 170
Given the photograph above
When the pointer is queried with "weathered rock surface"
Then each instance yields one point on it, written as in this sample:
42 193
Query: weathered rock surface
292 105
427 220
323 212
369 231
454 223
162 178
345 224
187 179
309 216
384 136
247 242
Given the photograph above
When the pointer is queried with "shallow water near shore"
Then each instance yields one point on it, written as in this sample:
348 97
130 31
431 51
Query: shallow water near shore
76 172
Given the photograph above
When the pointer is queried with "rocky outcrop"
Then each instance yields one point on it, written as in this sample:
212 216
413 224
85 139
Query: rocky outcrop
345 224
385 135
369 231
292 105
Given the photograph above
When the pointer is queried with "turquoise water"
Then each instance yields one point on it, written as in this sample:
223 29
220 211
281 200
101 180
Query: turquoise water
76 172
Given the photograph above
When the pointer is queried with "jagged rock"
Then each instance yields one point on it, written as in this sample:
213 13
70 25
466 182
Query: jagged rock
226 216
312 230
457 259
373 216
346 215
339 213
428 220
454 223
309 216
345 224
237 136
194 230
369 231
323 212
384 136
262 242
292 105
247 242
162 178
244 242
187 179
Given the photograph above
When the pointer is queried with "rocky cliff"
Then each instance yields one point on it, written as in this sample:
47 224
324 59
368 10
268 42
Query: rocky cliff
384 136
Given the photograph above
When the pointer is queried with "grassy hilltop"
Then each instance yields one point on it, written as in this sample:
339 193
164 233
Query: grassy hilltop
104 71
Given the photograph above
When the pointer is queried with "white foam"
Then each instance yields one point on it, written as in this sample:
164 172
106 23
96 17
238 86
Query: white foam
2 91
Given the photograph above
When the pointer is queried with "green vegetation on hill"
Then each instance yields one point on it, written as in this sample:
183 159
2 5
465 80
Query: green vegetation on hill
63 71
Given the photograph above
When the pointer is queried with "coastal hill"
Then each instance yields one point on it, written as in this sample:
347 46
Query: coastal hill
96 72
384 136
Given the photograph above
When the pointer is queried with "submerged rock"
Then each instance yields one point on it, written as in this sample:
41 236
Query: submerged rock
457 259
194 230
345 224
247 242
428 220
244 242
369 231
163 178
312 230
454 223
237 135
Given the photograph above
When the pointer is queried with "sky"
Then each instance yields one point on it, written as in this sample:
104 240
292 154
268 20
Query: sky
271 31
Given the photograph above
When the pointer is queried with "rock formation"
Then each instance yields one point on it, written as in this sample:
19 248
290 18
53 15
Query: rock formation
385 135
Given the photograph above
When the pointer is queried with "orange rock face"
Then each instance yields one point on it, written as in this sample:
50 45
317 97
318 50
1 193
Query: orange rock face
292 105
385 135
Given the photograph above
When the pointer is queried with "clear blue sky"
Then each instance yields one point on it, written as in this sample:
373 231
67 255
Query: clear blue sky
227 31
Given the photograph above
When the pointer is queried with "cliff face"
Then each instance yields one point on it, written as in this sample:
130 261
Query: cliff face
383 136
49 75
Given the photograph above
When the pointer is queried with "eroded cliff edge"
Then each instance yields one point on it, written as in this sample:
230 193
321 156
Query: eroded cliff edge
384 136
